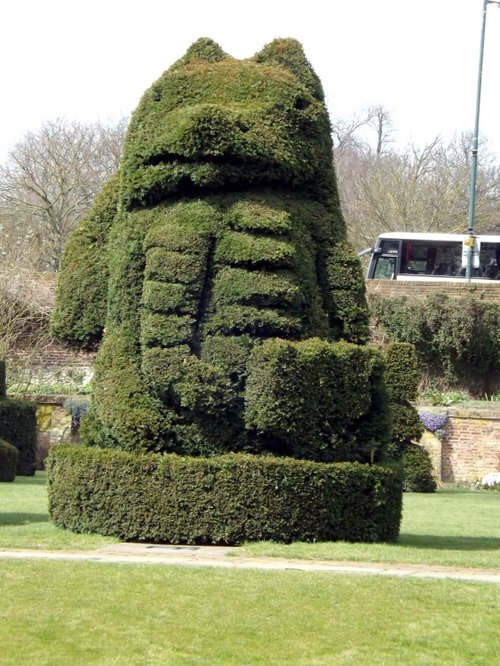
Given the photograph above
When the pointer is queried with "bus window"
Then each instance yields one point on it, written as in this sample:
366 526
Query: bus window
489 257
385 268
432 257
390 247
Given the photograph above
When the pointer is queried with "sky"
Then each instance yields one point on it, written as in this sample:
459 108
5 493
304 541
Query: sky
91 60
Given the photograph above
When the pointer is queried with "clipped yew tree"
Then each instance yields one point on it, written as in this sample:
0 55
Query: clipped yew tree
235 397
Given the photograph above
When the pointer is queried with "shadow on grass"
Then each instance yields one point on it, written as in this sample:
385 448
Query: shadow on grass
22 518
40 479
449 542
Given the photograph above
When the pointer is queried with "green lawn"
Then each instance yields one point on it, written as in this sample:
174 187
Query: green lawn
93 613
81 613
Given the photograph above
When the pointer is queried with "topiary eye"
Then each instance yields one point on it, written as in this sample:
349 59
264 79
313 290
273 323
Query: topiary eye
301 103
156 95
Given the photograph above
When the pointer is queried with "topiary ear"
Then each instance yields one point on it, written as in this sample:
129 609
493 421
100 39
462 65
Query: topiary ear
204 49
289 54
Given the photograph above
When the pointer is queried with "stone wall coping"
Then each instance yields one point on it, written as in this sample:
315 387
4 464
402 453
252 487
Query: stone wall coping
476 410
48 399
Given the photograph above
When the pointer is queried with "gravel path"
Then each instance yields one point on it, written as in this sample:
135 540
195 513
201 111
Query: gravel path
217 556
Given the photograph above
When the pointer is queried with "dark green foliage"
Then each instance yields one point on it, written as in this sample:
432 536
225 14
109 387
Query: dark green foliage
402 373
204 49
374 428
18 427
133 417
229 122
349 315
418 473
223 499
3 387
304 400
93 431
80 311
406 427
402 377
9 456
227 233
457 339
289 54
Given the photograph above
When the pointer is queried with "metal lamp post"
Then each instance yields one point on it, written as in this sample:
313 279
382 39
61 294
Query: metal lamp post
475 141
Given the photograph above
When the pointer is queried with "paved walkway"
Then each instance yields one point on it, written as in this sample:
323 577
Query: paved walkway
218 556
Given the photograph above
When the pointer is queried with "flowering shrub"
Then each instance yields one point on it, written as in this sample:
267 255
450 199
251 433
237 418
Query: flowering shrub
433 421
76 408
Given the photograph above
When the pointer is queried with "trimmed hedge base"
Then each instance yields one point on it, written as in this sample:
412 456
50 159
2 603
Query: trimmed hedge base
225 499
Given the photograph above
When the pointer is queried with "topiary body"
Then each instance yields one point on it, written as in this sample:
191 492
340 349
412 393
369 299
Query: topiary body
226 259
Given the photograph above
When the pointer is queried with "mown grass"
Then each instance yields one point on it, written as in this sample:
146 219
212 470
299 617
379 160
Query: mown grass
94 613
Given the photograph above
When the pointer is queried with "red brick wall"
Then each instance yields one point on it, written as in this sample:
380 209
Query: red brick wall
471 444
393 288
58 355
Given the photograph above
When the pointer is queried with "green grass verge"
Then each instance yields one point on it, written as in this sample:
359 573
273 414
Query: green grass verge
450 527
25 523
94 613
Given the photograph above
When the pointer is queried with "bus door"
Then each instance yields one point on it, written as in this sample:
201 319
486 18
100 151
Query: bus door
385 263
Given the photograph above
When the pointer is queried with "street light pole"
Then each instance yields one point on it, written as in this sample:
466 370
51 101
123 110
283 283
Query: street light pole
475 142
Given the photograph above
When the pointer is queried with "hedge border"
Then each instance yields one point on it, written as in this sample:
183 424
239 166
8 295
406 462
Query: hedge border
225 499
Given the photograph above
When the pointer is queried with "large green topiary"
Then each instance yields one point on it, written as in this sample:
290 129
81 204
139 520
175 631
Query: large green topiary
226 231
235 306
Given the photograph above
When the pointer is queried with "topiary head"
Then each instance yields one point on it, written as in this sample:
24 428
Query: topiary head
213 122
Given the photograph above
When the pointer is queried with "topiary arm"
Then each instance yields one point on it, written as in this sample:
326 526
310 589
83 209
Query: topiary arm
347 294
81 299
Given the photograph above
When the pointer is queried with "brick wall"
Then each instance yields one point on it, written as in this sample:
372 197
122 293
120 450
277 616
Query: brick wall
53 426
471 444
54 354
395 288
51 364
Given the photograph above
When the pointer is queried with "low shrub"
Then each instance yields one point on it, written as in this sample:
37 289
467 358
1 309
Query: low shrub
223 499
8 461
418 473
456 339
401 377
18 426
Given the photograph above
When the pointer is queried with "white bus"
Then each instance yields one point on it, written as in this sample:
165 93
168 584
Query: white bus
433 257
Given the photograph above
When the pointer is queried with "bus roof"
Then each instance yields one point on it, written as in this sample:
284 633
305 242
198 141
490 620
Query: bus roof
434 236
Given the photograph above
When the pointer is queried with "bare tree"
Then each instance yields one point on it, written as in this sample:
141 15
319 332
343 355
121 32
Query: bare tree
49 182
27 301
356 133
412 189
